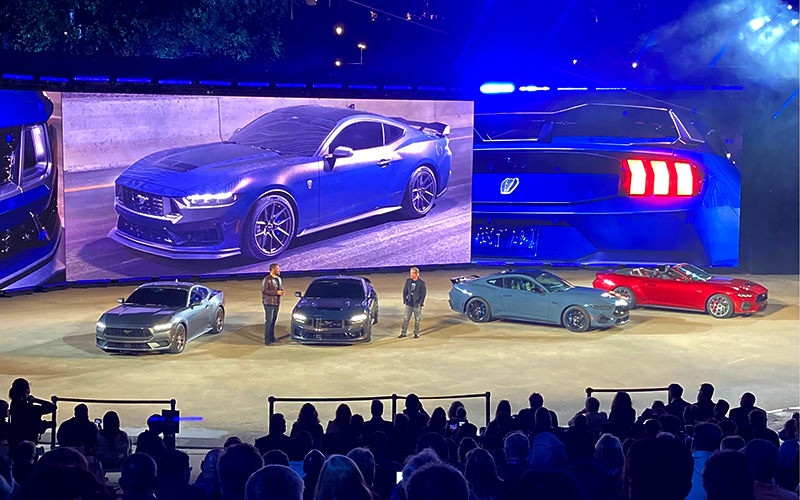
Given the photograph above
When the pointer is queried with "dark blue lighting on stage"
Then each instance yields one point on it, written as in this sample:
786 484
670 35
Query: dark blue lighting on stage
134 80
291 85
433 89
327 86
788 101
96 79
364 87
215 83
175 82
18 77
53 79
497 88
396 87
253 84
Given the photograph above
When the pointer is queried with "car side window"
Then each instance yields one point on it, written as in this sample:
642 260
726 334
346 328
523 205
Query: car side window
520 284
498 282
392 133
197 296
362 135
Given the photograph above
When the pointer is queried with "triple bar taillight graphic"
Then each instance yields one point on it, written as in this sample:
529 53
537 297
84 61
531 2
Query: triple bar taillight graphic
657 177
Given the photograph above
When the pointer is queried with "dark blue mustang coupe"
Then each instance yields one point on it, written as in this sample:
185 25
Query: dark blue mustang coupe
291 172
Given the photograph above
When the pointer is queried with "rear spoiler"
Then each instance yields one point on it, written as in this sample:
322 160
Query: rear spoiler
461 279
438 128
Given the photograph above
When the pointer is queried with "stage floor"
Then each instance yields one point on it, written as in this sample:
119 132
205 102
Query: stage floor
49 339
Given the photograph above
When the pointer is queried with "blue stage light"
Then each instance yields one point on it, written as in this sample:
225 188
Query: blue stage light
175 82
53 79
215 83
533 88
134 80
18 77
364 87
435 89
91 78
327 86
291 85
497 88
396 87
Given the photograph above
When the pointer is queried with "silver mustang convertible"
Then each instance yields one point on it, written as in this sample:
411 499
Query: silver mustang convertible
161 316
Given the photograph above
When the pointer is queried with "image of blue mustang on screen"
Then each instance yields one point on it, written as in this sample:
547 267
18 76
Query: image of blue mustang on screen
289 173
603 183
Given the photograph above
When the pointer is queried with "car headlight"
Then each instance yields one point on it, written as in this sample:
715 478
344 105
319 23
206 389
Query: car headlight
210 200
621 302
300 318
358 318
101 326
601 307
745 295
164 327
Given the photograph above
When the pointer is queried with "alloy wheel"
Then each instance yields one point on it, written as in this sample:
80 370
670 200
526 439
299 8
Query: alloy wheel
273 227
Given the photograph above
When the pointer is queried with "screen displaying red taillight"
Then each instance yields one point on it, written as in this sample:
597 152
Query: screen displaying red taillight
645 177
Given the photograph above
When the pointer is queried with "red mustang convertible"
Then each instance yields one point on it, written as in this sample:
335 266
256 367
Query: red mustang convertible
685 286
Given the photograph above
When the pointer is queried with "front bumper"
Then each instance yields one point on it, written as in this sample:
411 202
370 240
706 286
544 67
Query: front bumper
117 339
305 334
748 306
609 318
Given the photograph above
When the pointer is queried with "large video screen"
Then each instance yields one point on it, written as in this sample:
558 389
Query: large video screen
171 185
607 177
31 203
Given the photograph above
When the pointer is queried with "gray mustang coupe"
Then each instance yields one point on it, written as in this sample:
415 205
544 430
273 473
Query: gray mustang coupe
537 296
161 316
335 310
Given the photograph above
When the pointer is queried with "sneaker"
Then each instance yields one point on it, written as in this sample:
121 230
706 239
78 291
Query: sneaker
416 335
402 335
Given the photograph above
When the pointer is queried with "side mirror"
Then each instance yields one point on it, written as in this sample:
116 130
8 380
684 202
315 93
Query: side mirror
298 295
121 300
197 303
342 152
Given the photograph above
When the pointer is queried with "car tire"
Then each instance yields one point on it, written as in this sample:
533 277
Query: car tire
178 342
368 336
219 321
478 310
375 317
420 194
719 306
269 228
628 294
576 319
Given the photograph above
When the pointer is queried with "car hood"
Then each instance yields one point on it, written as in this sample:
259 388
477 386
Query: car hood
329 308
737 284
590 294
215 167
129 315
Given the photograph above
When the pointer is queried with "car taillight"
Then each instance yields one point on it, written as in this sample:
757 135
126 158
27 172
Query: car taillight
645 177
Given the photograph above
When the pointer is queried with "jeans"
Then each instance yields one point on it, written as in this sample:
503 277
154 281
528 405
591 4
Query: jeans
270 316
417 311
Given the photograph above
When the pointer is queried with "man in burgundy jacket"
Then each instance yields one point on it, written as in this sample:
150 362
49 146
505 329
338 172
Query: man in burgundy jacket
271 292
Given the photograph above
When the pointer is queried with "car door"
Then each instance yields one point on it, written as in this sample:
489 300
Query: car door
199 315
670 289
523 298
356 184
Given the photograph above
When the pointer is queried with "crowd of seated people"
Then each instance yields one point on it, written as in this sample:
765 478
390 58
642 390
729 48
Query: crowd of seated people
674 450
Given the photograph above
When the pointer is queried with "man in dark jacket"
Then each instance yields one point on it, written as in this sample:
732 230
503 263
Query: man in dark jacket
79 432
414 299
271 292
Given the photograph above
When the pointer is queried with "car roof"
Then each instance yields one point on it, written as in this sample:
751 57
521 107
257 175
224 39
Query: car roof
338 278
181 285
533 273
326 113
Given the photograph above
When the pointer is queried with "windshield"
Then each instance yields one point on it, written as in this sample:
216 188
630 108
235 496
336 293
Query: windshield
694 273
285 133
345 289
154 296
553 283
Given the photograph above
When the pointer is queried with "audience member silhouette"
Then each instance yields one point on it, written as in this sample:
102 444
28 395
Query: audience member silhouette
78 432
340 427
208 480
721 410
64 483
728 427
706 439
9 488
312 465
413 463
308 420
357 430
435 442
676 404
543 422
525 420
758 421
516 448
595 419
732 443
298 449
26 414
704 404
62 457
658 469
174 472
727 476
274 482
232 441
544 485
437 481
622 414
481 475
113 444
376 422
437 423
747 403
652 428
5 427
548 453
341 479
276 457
25 461
611 460
763 458
235 466
465 446
138 478
365 461
385 469
417 418
789 461
276 438
150 442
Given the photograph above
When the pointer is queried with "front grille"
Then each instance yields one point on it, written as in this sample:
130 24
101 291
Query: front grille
327 323
761 297
620 311
141 202
128 332
128 345
198 237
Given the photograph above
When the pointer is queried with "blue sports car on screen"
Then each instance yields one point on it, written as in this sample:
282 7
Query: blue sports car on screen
603 183
288 173
30 226
536 296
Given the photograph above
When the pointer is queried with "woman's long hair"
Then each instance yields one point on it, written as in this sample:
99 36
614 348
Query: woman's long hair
343 416
340 479
20 389
622 402
608 451
308 415
481 474
110 427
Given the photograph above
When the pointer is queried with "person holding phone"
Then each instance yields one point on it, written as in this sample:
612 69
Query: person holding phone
271 292
26 422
